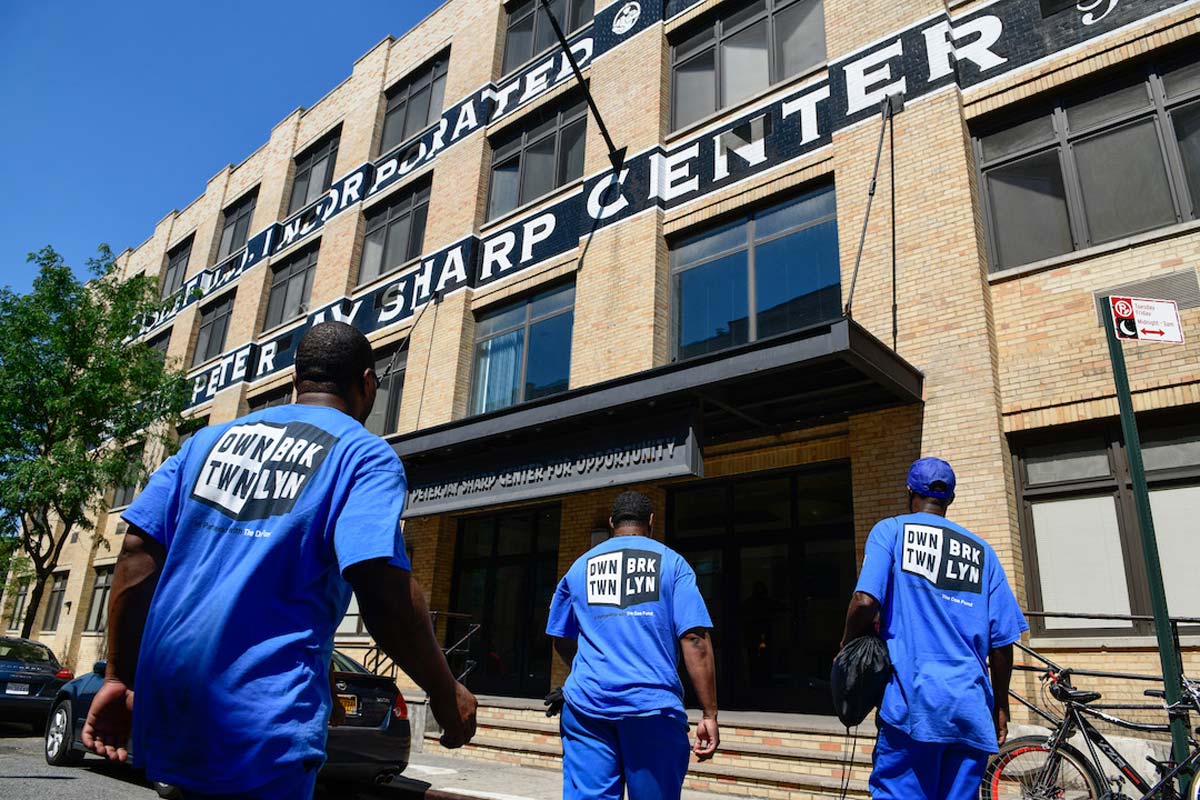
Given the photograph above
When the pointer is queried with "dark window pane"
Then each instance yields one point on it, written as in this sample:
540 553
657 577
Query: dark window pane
743 15
393 130
555 300
384 415
437 97
713 306
695 89
571 149
708 244
416 235
1018 137
1110 106
1116 167
518 46
498 371
1029 210
372 256
502 319
299 192
545 37
797 279
515 536
1187 133
1066 461
584 10
793 213
539 169
744 64
799 37
477 537
762 505
418 112
549 367
504 188
1183 80
701 512
319 181
396 252
1168 448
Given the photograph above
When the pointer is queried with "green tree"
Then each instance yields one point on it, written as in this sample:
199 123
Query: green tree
76 390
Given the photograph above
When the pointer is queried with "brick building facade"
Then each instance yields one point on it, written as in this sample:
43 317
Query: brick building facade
546 328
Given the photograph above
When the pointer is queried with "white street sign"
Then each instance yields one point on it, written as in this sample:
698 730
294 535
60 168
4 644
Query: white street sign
1146 320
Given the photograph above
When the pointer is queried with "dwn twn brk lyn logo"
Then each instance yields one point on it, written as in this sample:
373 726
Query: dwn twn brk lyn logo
623 578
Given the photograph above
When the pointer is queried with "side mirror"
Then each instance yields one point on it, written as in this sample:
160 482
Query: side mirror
98 668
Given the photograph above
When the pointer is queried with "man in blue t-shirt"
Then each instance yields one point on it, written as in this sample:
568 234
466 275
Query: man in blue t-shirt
618 617
238 564
948 616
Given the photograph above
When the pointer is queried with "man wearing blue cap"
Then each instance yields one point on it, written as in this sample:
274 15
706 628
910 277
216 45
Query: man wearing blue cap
948 617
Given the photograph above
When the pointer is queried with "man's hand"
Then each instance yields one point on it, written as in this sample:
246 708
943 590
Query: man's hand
707 738
554 702
109 721
1001 720
456 714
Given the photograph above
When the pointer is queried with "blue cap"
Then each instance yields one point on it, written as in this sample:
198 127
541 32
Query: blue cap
925 472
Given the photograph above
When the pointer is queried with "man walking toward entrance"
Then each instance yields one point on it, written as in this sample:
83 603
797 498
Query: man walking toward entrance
947 615
238 565
618 617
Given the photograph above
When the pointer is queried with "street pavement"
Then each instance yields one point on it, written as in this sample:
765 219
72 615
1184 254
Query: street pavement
25 775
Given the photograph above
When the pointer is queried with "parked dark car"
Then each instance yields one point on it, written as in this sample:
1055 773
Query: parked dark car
371 745
30 678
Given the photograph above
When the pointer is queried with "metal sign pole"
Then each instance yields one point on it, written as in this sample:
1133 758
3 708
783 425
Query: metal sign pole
1167 653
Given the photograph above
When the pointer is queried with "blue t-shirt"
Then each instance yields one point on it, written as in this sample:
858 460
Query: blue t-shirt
945 603
260 516
627 602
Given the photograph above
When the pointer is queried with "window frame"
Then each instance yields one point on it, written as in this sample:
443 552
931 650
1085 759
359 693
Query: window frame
273 398
20 600
1118 485
513 16
218 312
237 212
1159 109
303 267
97 619
175 271
567 112
54 601
396 359
750 245
124 493
718 34
160 342
527 323
324 148
426 75
388 212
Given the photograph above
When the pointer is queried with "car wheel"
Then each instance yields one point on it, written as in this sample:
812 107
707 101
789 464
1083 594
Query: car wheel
60 736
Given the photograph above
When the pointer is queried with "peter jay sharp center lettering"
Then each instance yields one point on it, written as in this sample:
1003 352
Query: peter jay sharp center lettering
944 51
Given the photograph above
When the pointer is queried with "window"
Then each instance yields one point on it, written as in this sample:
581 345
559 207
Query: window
291 285
1062 180
237 224
127 489
98 610
749 47
160 343
395 233
276 397
541 155
54 601
187 429
774 272
177 264
19 601
214 324
523 350
385 414
529 31
314 171
1082 544
415 103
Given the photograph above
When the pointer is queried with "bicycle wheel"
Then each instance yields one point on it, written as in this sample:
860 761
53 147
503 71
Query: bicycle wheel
1025 768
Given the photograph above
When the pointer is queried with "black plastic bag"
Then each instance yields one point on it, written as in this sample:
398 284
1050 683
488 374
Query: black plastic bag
860 674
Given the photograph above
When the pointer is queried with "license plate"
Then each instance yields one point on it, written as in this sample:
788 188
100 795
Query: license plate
349 703
17 688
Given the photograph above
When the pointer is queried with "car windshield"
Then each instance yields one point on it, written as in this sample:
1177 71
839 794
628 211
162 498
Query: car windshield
25 652
343 663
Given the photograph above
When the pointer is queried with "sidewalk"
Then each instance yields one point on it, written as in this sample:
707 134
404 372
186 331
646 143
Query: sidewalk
436 777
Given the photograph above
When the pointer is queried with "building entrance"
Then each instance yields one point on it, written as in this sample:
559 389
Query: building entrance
505 571
774 559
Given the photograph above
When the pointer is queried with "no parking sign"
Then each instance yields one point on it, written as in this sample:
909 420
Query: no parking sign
1146 320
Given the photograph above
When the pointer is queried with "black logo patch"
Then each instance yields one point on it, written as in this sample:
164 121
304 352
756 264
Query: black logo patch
259 470
623 578
945 558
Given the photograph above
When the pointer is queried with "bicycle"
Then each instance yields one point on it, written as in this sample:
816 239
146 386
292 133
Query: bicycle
1048 768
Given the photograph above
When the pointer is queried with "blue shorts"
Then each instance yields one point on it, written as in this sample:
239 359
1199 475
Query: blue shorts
604 757
905 769
297 785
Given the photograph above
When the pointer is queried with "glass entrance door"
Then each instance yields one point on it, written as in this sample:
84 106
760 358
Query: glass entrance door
774 559
505 571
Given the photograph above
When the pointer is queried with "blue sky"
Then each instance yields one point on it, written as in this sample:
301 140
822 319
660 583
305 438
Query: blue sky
115 113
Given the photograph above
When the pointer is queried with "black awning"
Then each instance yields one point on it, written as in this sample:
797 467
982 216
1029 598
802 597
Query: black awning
800 379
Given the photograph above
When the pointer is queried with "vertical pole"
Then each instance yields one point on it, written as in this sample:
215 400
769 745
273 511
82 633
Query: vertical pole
1167 653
